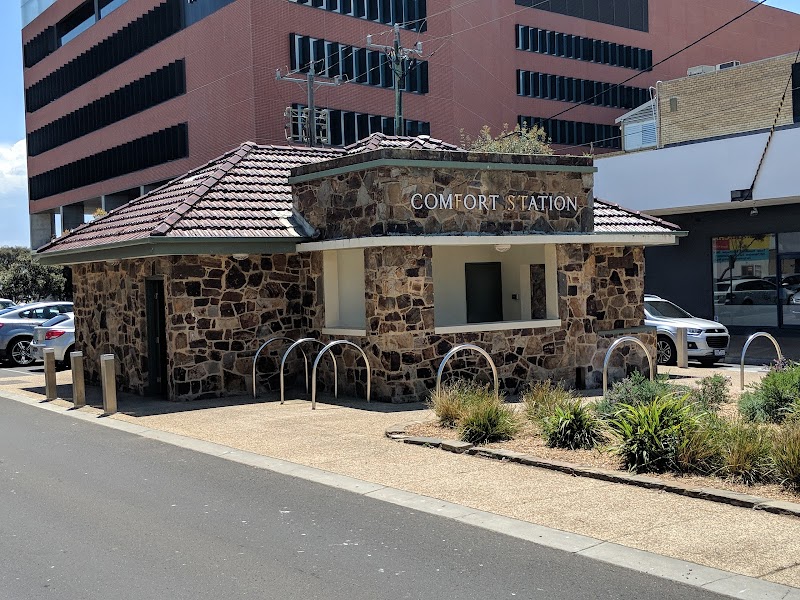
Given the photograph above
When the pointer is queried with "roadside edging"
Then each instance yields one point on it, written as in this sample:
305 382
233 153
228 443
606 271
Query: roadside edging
778 507
656 565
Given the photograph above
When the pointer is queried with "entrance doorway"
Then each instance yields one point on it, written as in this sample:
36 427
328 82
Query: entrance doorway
484 288
156 338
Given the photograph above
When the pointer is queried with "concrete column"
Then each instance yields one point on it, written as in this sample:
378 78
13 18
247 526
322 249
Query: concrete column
72 216
112 201
78 383
109 383
43 228
682 348
51 391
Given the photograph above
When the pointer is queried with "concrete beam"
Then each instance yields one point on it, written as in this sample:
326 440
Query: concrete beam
43 228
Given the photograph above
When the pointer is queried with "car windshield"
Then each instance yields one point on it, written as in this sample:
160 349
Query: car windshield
668 310
723 287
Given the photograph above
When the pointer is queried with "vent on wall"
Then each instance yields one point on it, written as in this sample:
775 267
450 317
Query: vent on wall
728 65
700 70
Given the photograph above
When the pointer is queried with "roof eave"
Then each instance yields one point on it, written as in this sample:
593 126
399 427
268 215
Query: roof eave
169 246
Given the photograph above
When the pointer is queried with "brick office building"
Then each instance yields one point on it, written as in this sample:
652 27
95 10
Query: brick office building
123 94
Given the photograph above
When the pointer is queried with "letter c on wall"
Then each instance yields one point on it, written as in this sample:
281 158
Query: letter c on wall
415 197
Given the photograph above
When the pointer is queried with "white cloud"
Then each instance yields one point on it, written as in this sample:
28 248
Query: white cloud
13 194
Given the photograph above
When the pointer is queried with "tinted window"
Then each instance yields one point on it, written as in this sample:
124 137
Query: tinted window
631 14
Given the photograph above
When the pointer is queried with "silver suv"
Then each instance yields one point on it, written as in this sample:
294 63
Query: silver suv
17 325
707 340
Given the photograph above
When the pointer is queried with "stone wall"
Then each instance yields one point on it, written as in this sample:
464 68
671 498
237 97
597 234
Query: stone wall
218 311
110 317
600 291
378 201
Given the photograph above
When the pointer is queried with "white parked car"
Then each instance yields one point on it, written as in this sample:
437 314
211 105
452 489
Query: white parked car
59 334
707 340
6 303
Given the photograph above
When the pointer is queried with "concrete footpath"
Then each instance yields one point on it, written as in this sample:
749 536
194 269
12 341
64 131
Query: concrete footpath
348 439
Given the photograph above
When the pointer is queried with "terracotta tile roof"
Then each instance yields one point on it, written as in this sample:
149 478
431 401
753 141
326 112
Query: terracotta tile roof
378 141
245 194
242 194
612 218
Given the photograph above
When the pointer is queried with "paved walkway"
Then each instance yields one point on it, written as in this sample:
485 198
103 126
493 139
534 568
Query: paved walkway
349 439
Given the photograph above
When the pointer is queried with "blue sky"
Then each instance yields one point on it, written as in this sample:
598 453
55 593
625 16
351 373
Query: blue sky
13 187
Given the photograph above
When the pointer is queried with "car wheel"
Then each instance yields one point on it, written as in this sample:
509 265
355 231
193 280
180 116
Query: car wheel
666 353
19 352
747 302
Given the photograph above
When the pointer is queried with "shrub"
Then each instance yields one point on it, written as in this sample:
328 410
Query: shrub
573 425
650 434
786 455
634 390
713 392
698 451
487 419
542 397
774 398
449 403
745 452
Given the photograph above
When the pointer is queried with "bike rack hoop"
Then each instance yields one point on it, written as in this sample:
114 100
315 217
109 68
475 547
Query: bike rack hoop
457 349
319 358
258 353
289 351
624 340
756 335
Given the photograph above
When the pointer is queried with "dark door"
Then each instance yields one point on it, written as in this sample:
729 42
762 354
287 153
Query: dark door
484 285
156 338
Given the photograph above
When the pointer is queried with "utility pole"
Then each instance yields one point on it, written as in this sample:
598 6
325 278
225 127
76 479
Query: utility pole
398 56
310 81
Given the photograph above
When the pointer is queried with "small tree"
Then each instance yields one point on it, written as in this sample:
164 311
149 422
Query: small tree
520 140
23 279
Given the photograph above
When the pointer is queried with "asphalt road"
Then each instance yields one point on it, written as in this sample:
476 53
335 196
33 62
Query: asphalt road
92 513
9 371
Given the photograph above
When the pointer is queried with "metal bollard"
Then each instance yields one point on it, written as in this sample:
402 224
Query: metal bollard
109 382
78 384
682 347
51 391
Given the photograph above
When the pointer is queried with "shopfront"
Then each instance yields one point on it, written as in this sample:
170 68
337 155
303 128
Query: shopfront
737 267
403 251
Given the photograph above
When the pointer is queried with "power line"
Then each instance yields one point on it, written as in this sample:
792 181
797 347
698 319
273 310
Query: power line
673 123
774 124
661 62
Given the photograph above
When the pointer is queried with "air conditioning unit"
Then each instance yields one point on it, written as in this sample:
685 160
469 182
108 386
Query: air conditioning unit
700 70
728 65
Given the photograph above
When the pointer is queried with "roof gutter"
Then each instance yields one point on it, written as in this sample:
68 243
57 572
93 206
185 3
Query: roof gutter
169 246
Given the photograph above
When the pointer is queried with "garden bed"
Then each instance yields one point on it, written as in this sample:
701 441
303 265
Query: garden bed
695 436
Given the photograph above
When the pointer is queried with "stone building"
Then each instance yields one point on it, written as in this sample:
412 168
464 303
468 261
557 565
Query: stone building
403 246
